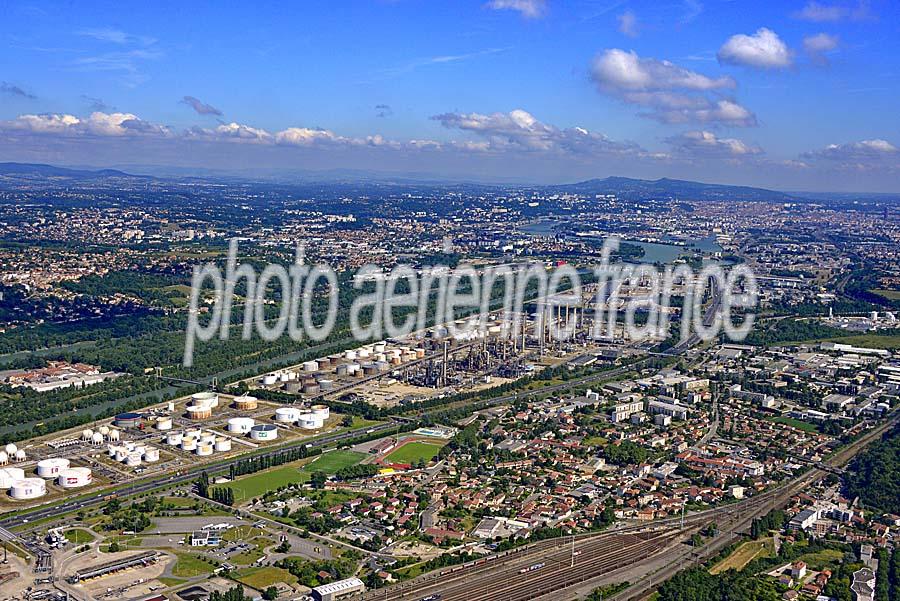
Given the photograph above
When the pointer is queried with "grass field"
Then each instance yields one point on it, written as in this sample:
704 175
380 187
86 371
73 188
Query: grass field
189 566
795 423
878 341
263 577
412 452
258 484
744 554
889 294
78 536
822 560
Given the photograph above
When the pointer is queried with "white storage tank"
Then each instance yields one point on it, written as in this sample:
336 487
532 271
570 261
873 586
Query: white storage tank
151 455
350 355
308 421
310 366
8 475
321 411
174 438
133 459
189 444
75 477
20 455
121 454
28 488
204 449
97 439
380 347
86 434
264 432
223 445
104 431
207 399
164 423
208 438
4 458
51 468
240 425
287 414
197 412
114 435
11 449
269 379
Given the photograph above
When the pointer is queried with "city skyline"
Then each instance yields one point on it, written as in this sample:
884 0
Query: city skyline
793 96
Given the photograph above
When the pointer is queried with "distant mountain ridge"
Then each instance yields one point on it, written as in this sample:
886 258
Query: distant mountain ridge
675 189
40 169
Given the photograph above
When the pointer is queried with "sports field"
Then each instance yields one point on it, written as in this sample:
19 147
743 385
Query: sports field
256 485
412 452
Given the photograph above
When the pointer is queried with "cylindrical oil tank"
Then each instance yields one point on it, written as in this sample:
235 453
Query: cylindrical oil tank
75 477
223 445
4 458
353 369
379 357
325 384
189 444
97 439
308 421
382 366
50 468
198 412
193 433
114 435
86 434
310 366
341 370
204 449
8 475
240 425
128 420
133 459
121 454
20 455
11 449
363 353
112 448
208 438
420 353
320 411
369 369
174 438
209 399
379 347
151 455
286 414
293 387
245 403
28 488
350 355
311 389
264 432
164 423
269 379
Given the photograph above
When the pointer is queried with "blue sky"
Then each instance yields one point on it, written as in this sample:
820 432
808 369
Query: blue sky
789 94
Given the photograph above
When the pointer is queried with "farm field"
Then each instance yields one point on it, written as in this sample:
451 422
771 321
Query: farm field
414 451
744 554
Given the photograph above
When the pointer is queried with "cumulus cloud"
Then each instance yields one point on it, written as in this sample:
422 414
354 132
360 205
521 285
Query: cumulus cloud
628 24
819 45
97 124
764 50
520 130
14 90
866 155
670 93
200 107
707 144
532 9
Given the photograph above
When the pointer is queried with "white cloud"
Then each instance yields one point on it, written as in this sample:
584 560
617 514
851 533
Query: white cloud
865 155
97 124
532 9
817 46
707 144
672 93
628 24
818 12
764 49
520 130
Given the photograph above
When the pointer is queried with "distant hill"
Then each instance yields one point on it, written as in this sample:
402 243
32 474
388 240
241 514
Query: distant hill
27 170
675 189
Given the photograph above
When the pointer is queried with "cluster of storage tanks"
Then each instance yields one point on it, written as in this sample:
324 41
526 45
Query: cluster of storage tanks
201 405
198 441
133 454
242 426
12 453
367 360
311 419
96 437
14 480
